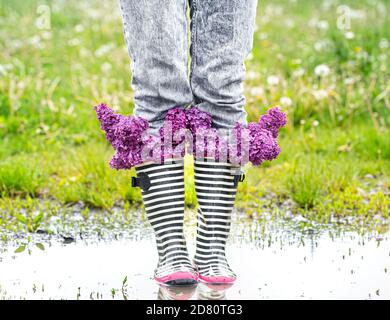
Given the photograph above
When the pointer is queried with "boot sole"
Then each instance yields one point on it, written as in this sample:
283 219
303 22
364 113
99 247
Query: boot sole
180 283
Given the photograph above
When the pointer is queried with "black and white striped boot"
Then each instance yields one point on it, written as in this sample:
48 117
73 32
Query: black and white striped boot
162 188
216 188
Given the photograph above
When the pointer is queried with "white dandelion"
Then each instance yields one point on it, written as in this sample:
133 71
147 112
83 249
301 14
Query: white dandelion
74 42
322 70
79 28
46 35
106 67
298 73
349 35
320 94
383 44
104 49
4 68
256 92
285 101
349 81
323 25
251 75
273 80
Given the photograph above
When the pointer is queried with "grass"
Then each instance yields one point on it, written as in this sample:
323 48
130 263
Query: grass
335 150
321 175
19 179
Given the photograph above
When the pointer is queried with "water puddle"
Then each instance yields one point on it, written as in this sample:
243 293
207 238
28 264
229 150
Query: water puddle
274 259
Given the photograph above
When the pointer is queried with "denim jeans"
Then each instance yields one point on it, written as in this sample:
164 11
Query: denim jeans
159 45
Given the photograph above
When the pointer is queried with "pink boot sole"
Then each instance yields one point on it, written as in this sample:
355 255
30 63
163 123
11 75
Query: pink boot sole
217 280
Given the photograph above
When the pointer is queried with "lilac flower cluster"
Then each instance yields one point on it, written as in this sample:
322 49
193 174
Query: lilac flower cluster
174 124
273 120
198 120
255 142
124 133
263 145
108 120
206 140
238 152
210 143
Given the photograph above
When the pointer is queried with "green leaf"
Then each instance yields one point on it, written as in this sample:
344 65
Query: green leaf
40 246
124 281
38 218
20 249
21 218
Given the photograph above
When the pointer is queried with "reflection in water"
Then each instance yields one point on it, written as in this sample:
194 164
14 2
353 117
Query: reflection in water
213 292
203 292
273 259
175 293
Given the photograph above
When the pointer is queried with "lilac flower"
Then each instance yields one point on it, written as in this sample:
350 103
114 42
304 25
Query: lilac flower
205 142
118 162
177 116
199 123
175 121
273 120
124 134
108 120
262 144
151 148
222 149
197 119
255 142
128 132
238 153
126 159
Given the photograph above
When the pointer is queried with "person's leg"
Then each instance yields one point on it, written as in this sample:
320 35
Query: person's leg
156 33
162 188
216 188
221 38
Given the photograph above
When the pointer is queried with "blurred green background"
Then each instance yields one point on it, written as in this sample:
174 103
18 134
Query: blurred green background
325 62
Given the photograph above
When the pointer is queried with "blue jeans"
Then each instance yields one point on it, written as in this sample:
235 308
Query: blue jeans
159 45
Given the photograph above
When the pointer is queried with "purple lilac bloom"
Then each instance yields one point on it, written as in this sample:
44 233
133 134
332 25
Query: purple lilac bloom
263 145
273 120
108 120
238 153
206 141
128 132
199 123
124 133
129 137
175 121
177 116
197 119
126 159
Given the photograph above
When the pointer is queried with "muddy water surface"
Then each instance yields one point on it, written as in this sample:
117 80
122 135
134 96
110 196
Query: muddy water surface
274 259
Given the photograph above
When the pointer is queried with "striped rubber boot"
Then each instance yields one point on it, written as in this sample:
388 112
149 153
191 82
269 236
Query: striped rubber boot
162 188
216 188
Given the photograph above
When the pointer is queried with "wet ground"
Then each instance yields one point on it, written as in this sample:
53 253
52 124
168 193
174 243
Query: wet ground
274 258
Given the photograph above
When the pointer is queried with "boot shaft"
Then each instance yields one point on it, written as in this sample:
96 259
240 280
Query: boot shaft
216 188
162 187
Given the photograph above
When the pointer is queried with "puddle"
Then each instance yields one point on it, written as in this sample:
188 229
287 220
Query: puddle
274 259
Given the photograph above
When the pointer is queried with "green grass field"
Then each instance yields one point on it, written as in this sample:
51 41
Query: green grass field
325 62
